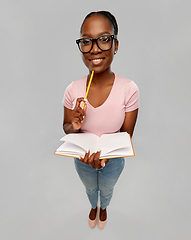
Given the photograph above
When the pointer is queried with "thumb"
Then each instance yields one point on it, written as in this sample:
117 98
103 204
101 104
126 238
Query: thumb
103 162
85 107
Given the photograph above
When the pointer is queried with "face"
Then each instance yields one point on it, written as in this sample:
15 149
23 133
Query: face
96 59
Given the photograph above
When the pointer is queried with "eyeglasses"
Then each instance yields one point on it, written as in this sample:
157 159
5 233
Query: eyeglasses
104 43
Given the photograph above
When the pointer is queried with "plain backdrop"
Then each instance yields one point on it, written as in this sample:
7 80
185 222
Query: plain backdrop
42 197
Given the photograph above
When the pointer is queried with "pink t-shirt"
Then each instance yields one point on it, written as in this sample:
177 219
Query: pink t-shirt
109 117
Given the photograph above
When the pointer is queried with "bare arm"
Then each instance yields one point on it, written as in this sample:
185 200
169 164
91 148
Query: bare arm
129 122
74 119
67 125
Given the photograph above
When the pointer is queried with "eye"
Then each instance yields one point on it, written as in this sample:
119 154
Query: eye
105 39
85 41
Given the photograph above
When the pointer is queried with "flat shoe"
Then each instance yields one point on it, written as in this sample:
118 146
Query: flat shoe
101 224
92 223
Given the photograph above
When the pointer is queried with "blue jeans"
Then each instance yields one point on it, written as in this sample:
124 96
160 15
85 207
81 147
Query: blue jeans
100 180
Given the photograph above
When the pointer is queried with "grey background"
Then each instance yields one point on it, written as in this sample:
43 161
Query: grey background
41 195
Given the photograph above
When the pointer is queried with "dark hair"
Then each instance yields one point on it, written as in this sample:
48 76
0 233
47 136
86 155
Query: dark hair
107 15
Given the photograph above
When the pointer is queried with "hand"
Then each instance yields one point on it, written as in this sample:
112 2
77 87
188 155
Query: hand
94 160
78 115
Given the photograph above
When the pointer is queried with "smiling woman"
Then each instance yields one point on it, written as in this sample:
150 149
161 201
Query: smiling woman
99 55
112 106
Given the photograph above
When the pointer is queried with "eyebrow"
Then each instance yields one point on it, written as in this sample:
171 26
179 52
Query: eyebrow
102 33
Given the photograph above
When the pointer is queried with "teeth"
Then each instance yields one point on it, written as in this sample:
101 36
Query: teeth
96 60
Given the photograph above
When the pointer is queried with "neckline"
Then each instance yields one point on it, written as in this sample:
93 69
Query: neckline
107 99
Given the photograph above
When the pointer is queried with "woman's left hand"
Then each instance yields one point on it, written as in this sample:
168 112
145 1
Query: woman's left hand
94 160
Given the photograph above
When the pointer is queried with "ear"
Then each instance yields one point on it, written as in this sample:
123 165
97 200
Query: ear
116 46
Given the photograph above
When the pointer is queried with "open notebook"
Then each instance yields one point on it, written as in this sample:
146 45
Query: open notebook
111 145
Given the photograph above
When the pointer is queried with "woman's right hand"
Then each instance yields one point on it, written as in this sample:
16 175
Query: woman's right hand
78 115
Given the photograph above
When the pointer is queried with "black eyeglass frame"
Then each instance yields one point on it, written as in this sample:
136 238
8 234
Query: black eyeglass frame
95 40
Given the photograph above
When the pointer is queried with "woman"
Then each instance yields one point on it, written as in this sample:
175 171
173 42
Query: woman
112 106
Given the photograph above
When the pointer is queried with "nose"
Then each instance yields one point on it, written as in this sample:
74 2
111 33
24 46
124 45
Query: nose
95 48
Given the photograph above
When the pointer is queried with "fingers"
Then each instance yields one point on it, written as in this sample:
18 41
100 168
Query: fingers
103 162
91 160
97 160
86 157
85 107
79 102
94 160
78 114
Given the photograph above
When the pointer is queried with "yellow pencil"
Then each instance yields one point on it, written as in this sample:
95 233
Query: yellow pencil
88 89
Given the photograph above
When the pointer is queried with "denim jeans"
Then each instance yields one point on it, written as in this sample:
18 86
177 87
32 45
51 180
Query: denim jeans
100 180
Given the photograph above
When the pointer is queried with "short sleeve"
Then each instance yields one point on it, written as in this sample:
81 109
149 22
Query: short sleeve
68 99
132 98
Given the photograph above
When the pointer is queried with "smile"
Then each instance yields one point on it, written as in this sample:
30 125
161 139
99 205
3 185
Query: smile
96 61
